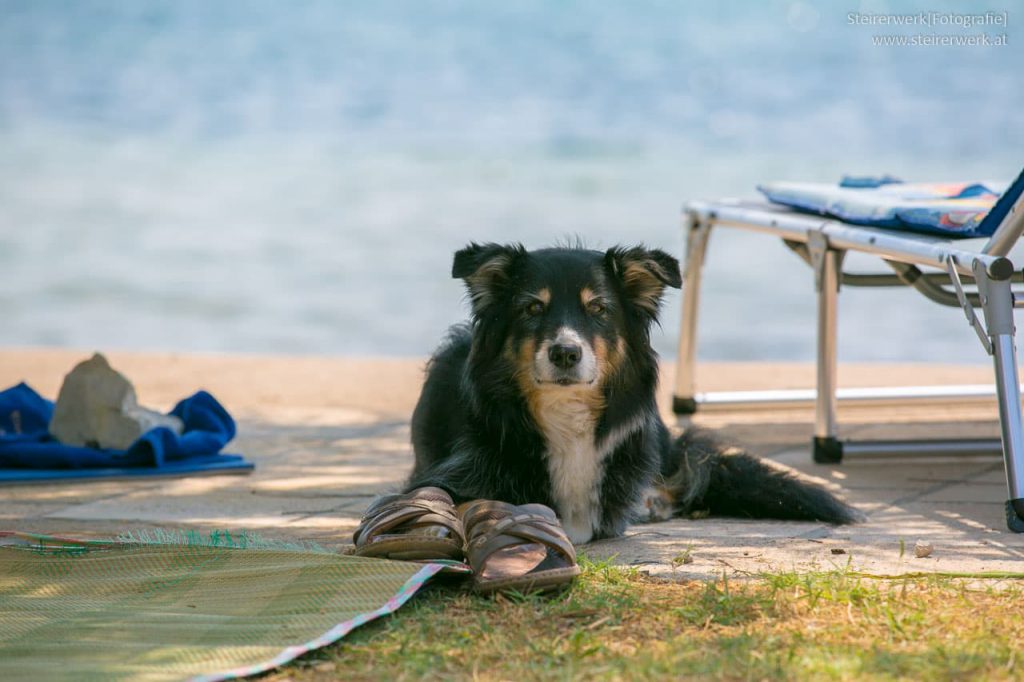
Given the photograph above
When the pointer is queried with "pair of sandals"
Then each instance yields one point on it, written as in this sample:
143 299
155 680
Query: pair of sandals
509 548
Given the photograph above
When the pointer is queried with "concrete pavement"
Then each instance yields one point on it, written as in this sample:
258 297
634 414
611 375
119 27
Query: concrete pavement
327 434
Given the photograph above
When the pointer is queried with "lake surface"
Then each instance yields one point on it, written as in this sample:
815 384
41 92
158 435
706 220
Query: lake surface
294 177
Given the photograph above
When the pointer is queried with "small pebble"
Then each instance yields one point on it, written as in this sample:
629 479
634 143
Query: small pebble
838 550
922 549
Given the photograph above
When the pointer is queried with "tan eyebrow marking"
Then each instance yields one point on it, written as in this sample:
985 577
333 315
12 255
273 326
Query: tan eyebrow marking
586 295
544 295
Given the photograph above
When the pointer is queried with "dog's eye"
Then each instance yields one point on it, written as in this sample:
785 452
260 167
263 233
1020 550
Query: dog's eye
596 307
534 308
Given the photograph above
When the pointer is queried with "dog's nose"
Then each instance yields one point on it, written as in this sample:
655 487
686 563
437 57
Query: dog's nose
565 355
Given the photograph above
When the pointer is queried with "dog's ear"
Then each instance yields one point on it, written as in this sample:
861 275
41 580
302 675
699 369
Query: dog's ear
486 269
644 274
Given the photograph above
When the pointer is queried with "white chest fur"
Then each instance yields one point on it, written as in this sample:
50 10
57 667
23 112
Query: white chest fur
567 419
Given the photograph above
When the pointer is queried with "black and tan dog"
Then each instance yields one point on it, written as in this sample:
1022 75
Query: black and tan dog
548 395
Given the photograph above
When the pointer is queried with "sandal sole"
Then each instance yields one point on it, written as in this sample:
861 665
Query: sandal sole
542 581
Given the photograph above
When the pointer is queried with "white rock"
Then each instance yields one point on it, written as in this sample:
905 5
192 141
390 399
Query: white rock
922 549
97 407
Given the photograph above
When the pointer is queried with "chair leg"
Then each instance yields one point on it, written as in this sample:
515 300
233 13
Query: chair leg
998 306
697 233
826 446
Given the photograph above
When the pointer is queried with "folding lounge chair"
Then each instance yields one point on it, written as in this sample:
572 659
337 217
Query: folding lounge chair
951 264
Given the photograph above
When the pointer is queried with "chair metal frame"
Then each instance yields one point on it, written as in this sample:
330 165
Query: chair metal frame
823 243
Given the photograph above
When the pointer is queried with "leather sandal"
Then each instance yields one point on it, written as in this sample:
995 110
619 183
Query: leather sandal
421 525
516 548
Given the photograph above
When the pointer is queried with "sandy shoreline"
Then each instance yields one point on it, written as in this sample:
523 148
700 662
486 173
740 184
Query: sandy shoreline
281 388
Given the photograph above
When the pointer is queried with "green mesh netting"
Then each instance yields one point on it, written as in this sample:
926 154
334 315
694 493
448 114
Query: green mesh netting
158 612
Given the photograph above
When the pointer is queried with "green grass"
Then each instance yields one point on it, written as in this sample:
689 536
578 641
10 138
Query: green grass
618 624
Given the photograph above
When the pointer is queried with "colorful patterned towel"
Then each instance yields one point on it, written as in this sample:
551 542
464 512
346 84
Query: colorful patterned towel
958 209
207 610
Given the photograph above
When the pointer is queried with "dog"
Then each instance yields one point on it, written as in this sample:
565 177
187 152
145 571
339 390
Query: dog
548 395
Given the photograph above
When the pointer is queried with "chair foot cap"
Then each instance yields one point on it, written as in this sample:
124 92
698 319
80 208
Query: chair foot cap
684 405
1015 515
827 450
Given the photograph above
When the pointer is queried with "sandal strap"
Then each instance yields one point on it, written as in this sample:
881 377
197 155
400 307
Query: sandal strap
488 534
414 510
410 515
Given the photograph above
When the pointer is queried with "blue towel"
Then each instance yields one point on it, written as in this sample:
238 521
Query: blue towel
25 442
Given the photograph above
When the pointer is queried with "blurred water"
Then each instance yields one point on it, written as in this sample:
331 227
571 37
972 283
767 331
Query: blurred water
293 177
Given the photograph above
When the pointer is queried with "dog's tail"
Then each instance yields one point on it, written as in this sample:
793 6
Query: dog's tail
728 482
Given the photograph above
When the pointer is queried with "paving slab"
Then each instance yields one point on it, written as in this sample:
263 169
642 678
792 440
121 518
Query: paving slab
328 434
